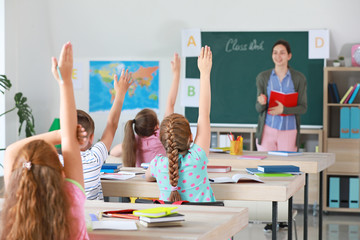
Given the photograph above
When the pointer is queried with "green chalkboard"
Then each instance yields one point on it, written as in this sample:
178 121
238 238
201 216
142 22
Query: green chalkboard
238 57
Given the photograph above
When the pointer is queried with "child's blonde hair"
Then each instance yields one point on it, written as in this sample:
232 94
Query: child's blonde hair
144 125
175 135
36 205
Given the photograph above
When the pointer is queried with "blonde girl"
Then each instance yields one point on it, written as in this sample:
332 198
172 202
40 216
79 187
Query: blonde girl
44 200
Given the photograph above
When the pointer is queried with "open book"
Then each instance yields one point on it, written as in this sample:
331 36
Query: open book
116 176
287 99
236 179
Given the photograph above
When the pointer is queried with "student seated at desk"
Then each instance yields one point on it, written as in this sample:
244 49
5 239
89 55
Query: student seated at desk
93 157
182 174
43 199
145 145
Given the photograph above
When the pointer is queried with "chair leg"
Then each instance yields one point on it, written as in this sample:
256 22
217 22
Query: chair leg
294 222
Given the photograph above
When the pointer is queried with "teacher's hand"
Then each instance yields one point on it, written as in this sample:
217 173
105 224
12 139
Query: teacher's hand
277 109
262 99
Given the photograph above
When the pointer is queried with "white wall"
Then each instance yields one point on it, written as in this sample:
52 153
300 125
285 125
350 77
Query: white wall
141 30
2 70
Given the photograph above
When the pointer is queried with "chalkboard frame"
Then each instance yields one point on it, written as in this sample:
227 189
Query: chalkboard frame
236 105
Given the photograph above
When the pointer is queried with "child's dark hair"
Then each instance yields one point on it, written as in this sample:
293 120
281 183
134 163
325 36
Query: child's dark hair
144 123
284 43
175 135
85 121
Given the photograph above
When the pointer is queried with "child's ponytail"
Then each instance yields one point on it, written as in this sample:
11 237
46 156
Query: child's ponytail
129 145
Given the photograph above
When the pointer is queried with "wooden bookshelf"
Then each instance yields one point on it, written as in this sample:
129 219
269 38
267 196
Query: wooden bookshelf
347 150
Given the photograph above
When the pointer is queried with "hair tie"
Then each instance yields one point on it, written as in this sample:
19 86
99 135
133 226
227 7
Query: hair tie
27 165
173 189
134 120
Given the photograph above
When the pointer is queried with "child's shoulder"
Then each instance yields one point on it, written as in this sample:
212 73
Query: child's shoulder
196 148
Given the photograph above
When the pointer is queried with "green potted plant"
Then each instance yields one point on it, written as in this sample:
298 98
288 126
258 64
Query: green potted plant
341 60
336 63
24 111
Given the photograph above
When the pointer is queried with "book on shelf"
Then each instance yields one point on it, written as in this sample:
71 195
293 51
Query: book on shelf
346 94
111 166
257 171
352 98
331 94
156 212
169 218
116 176
284 153
221 169
237 178
287 99
336 92
278 168
255 157
124 213
162 224
351 92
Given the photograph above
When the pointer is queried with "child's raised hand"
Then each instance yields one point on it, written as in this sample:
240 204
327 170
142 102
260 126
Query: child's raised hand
65 64
81 134
205 60
124 82
175 64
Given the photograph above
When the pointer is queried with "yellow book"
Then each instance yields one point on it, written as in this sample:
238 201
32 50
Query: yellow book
346 94
156 212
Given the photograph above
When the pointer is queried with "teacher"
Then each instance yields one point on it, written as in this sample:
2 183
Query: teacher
275 132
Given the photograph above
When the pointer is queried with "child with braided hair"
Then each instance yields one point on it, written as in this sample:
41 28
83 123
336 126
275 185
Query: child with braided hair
182 173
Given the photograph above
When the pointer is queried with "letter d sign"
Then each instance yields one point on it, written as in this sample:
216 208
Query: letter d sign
319 46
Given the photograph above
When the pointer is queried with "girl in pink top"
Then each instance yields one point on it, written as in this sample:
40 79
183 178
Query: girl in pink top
145 145
43 199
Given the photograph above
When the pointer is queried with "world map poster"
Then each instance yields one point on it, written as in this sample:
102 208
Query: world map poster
143 93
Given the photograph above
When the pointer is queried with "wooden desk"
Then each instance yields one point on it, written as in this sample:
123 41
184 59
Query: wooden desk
274 189
307 162
199 222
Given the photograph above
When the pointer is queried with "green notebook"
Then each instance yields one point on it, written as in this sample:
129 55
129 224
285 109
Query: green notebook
274 174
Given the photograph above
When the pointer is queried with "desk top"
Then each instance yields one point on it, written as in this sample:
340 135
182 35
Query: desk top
308 162
273 189
199 222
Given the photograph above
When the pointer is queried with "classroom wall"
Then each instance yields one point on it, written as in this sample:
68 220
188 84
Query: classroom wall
2 70
140 30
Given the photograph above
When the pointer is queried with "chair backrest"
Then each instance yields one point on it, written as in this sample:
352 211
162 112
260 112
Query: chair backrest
156 201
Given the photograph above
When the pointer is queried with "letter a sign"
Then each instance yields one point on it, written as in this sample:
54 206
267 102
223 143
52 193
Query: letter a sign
191 42
319 44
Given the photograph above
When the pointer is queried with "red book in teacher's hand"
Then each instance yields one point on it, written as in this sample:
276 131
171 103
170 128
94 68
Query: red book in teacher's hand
287 99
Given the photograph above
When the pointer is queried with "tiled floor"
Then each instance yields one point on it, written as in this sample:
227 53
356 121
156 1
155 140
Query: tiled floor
339 226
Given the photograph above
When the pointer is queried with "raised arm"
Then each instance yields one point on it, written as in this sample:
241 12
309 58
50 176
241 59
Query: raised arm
62 71
175 68
203 126
53 138
120 86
